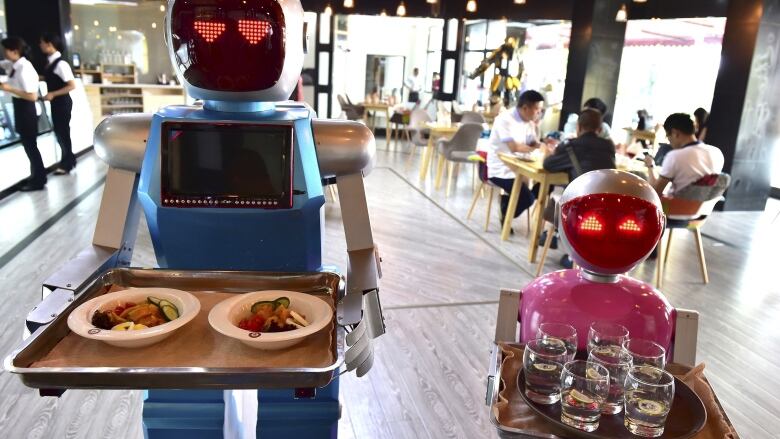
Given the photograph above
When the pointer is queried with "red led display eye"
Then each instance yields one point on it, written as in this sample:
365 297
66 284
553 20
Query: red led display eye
591 224
209 30
629 226
254 30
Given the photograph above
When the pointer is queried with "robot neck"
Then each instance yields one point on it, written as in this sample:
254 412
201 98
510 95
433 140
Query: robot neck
600 278
240 107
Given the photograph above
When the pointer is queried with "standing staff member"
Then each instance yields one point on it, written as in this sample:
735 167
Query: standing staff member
59 81
23 85
414 84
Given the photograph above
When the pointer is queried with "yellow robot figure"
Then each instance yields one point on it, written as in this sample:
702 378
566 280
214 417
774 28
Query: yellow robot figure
504 85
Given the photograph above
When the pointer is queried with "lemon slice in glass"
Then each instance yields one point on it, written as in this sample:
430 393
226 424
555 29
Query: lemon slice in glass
651 408
545 367
581 397
593 374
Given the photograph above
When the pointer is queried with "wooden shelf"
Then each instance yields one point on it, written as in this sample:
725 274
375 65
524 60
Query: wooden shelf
111 107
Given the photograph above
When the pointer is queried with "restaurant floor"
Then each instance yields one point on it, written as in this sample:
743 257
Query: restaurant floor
439 291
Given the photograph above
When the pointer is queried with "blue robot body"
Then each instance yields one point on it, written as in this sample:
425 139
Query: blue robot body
237 236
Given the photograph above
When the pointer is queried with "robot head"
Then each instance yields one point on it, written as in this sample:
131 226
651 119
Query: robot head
236 50
610 221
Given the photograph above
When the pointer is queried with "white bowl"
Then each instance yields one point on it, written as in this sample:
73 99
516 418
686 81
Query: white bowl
80 320
226 315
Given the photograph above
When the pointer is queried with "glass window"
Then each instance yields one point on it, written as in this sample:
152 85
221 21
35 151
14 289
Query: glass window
476 36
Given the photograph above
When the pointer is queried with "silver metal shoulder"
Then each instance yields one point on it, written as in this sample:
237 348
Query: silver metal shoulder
120 140
343 147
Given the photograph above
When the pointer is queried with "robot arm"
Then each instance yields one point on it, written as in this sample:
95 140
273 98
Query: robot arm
117 222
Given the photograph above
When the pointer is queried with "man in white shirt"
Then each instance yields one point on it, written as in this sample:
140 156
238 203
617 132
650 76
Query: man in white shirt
514 131
688 161
414 84
59 81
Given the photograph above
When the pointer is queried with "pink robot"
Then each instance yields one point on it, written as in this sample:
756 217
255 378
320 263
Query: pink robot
609 221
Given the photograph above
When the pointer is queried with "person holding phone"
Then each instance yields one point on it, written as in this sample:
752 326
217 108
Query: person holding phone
22 85
514 131
59 81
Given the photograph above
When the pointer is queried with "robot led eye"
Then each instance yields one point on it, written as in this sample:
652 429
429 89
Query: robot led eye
591 224
629 225
209 30
254 30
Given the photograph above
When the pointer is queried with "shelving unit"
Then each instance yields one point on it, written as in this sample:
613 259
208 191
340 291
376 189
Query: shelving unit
109 99
111 74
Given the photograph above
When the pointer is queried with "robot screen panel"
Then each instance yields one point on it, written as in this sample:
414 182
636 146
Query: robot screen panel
227 165
229 45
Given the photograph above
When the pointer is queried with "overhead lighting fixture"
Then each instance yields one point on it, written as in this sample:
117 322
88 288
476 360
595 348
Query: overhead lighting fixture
96 23
622 14
112 28
154 25
76 27
349 4
471 5
401 11
119 37
104 2
433 2
162 8
383 13
640 1
328 10
519 2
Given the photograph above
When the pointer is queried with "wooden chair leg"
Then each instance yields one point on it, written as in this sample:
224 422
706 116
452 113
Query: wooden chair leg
659 264
528 222
490 204
668 246
547 243
412 153
474 201
702 262
450 171
439 172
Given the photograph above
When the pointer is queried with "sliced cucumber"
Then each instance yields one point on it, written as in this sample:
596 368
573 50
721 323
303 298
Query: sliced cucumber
282 301
154 300
170 312
256 306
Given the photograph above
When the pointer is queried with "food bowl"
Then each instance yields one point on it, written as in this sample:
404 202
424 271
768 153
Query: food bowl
80 320
226 315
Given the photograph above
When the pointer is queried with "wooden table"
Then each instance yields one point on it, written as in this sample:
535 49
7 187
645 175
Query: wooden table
377 107
533 171
437 130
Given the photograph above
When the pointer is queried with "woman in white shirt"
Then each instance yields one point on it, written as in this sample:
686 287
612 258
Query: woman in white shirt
22 84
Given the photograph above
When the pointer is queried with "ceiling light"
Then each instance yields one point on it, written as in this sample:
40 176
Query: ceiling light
154 25
162 8
622 14
401 11
112 28
119 37
433 2
383 13
328 10
471 6
349 3
96 23
76 27
640 1
519 2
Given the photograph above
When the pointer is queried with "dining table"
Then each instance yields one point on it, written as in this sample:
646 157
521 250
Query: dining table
531 167
377 107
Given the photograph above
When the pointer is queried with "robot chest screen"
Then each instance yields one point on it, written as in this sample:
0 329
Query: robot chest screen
229 45
230 165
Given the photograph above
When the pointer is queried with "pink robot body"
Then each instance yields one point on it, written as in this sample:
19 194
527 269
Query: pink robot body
567 296
609 221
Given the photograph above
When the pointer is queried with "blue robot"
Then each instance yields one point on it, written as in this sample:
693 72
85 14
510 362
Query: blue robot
235 183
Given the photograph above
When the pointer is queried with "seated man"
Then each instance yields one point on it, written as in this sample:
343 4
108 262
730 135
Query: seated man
689 159
591 152
570 128
514 131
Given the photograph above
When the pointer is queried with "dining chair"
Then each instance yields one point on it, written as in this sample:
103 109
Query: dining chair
472 117
351 111
455 151
480 157
420 134
689 209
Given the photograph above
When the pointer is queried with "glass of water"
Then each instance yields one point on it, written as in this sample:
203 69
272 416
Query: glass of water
543 361
617 361
606 334
649 396
560 331
645 352
584 388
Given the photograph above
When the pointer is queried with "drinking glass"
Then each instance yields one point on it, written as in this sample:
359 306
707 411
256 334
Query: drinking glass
560 331
645 352
543 360
584 388
617 361
606 334
649 395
